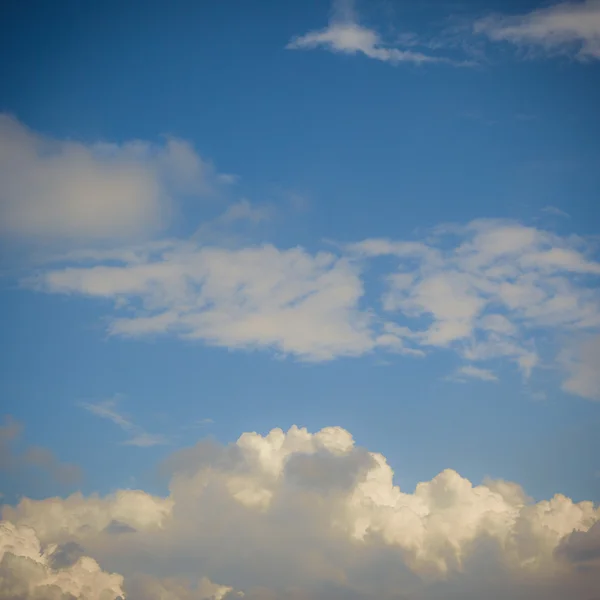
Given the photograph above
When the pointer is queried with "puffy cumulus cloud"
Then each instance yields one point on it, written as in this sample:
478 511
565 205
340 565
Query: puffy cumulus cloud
571 28
66 189
345 35
288 300
78 517
303 515
582 548
489 288
27 573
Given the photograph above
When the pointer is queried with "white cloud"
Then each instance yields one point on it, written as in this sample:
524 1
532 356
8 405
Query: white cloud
289 300
66 189
490 289
473 372
566 28
345 35
26 571
555 211
582 364
312 514
107 409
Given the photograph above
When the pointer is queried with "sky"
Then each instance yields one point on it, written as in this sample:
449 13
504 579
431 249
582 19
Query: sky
299 300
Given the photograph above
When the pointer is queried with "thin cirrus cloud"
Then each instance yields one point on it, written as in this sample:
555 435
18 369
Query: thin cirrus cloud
487 290
68 190
108 409
568 28
300 515
471 372
345 35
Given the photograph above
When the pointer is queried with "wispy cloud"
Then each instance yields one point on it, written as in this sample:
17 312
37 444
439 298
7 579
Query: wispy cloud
107 409
472 372
568 28
346 35
485 290
557 212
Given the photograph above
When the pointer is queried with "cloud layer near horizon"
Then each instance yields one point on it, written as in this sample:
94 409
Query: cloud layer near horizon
301 515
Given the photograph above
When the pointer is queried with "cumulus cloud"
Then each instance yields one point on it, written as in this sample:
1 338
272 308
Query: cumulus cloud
571 28
302 515
26 571
345 35
67 189
33 457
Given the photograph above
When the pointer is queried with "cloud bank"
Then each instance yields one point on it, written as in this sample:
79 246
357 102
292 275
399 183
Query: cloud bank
301 515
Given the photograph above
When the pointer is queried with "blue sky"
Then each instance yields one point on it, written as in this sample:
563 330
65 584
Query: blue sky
225 217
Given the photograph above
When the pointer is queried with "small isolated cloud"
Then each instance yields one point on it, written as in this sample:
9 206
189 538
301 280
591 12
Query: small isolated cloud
107 409
569 28
33 457
87 192
345 35
555 211
302 516
472 372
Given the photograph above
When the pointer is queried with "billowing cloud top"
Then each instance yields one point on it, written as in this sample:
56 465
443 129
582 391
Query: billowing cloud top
295 510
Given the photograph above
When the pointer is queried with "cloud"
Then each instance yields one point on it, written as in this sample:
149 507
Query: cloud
345 35
487 290
36 457
571 28
472 372
581 548
490 287
557 212
26 571
262 297
107 409
311 515
582 363
87 192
